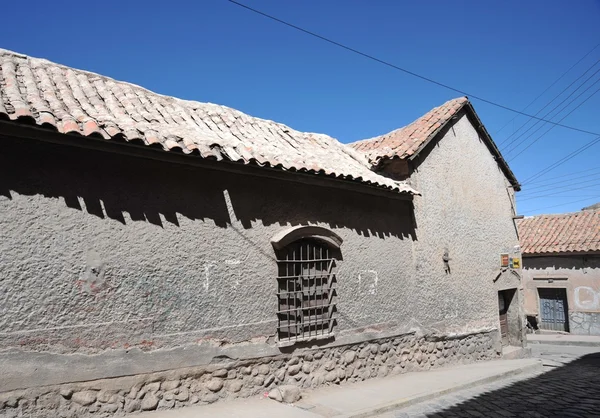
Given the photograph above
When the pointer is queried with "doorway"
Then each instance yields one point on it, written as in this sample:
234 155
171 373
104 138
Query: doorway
504 299
554 309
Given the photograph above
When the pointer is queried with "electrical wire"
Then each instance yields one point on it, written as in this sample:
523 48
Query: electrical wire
547 115
559 192
563 160
550 102
565 196
562 204
544 92
561 119
553 186
386 63
551 179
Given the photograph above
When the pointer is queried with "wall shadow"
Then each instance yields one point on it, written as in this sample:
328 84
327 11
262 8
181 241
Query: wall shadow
292 204
130 189
572 390
568 262
106 185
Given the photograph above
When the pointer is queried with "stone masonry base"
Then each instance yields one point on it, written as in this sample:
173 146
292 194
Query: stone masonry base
308 368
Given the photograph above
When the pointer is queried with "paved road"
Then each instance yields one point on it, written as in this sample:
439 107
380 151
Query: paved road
569 386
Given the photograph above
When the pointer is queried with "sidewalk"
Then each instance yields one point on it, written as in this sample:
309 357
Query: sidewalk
564 339
365 398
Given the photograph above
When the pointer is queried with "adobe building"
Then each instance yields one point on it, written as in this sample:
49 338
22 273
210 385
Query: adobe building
159 252
561 271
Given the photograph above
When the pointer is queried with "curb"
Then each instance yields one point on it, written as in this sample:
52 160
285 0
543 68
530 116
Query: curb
403 403
571 343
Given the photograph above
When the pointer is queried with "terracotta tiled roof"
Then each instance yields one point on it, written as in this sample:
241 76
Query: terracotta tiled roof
569 232
72 101
591 207
405 141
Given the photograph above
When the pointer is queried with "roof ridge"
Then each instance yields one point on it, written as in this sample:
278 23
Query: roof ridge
460 98
404 141
408 141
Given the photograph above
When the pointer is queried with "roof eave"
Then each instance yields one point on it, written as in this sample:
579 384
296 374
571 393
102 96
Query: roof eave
495 151
10 129
561 253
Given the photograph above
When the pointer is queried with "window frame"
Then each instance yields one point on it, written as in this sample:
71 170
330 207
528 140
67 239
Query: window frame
306 265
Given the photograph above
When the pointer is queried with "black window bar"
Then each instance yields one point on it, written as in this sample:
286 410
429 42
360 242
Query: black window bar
305 291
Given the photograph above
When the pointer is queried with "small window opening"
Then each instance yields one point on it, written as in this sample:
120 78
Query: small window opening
305 291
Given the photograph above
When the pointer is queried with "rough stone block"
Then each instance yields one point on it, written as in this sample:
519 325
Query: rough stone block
66 393
49 401
170 385
85 397
349 356
107 396
150 402
132 405
220 373
109 408
215 384
330 365
166 404
285 393
183 395
235 386
263 369
293 370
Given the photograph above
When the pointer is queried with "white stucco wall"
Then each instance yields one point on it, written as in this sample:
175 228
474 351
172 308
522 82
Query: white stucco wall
465 208
206 272
127 266
101 253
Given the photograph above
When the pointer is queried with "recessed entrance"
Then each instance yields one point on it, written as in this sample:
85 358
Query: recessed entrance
507 316
554 309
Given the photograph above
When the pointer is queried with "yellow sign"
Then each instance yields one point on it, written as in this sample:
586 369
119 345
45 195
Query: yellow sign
516 263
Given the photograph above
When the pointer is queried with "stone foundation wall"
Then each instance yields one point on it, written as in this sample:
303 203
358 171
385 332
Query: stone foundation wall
307 368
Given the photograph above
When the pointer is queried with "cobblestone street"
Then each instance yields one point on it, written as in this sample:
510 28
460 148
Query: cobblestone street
569 386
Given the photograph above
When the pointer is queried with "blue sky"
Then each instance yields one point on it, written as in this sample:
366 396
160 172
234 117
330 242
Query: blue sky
214 51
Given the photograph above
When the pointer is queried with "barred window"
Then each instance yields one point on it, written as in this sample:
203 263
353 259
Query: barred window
305 290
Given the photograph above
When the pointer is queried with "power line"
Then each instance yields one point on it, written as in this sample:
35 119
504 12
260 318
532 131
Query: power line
561 119
562 204
569 187
547 88
559 192
550 102
564 159
563 196
386 63
551 179
553 109
572 181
